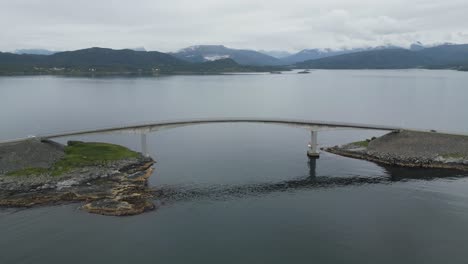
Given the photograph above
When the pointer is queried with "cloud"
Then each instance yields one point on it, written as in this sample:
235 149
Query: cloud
259 24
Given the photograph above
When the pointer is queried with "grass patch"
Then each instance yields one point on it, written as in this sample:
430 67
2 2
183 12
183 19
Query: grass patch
453 156
28 172
363 143
81 154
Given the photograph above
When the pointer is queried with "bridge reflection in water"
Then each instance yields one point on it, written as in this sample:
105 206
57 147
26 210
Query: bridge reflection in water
311 181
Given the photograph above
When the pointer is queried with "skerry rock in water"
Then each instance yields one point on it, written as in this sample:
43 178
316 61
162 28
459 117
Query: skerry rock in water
411 149
110 179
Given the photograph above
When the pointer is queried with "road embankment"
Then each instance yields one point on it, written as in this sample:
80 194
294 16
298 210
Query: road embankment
411 149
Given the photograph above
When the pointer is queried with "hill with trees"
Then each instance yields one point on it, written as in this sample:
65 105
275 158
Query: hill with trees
444 56
109 61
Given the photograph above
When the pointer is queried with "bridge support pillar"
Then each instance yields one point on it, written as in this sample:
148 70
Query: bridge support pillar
313 151
144 145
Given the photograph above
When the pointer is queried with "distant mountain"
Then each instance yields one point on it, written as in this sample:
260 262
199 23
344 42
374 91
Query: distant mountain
447 55
35 51
279 54
50 52
313 54
11 59
205 53
139 49
102 57
444 56
417 46
374 59
224 65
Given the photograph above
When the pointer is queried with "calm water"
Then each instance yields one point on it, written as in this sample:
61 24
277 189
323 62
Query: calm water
244 193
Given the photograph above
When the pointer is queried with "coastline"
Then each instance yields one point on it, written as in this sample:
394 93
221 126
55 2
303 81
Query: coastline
175 73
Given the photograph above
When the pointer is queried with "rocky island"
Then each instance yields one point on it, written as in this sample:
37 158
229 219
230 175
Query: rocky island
411 149
109 179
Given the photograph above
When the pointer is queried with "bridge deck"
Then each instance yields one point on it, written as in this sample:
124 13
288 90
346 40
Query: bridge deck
155 126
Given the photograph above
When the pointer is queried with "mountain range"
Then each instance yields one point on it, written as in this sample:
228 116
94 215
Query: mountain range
313 54
34 51
443 56
217 58
279 54
50 52
109 61
203 53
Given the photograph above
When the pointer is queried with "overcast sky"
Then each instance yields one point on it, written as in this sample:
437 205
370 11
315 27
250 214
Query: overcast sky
272 25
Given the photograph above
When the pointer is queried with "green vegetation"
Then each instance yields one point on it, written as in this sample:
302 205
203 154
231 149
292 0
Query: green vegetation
80 154
453 156
364 143
102 62
28 172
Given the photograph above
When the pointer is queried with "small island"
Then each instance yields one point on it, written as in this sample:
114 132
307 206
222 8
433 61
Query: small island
109 179
411 149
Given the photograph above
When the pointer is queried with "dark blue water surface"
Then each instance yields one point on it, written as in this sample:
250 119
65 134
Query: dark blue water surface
246 193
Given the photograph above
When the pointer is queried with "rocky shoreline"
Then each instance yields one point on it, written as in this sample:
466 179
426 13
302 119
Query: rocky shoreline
410 149
116 186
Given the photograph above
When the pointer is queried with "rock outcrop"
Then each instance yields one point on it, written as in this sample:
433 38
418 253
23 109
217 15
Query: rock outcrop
115 187
411 149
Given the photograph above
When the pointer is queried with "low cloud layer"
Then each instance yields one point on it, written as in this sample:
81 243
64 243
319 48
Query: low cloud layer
288 25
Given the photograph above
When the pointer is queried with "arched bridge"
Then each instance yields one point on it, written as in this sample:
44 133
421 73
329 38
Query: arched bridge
144 128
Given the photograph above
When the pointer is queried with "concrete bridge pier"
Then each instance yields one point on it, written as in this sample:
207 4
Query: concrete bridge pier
313 151
144 145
